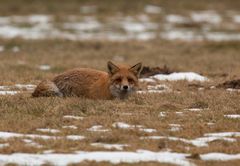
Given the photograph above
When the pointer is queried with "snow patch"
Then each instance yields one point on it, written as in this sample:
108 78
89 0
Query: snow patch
88 24
8 92
223 134
32 143
148 130
73 117
175 127
219 157
100 156
162 114
194 109
25 86
206 16
4 145
70 127
236 19
201 141
179 113
44 67
15 49
7 135
48 130
152 9
2 48
123 125
189 76
232 116
176 19
97 128
147 80
161 88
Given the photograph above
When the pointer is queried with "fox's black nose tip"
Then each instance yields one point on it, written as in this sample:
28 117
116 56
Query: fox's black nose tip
125 87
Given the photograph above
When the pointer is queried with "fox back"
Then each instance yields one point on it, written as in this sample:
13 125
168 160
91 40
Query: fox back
118 82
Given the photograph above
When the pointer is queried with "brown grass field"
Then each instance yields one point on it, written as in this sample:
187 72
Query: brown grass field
218 61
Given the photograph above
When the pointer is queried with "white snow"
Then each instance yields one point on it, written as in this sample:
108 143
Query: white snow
39 27
70 127
15 49
179 113
175 127
162 114
152 9
236 116
177 19
88 24
8 92
136 28
25 86
236 19
123 125
223 134
2 48
210 123
100 156
73 137
32 143
73 117
18 86
97 128
201 141
4 145
160 88
189 76
206 16
221 36
4 87
7 135
149 91
233 90
32 19
48 130
147 80
148 130
112 157
110 146
219 157
194 109
44 67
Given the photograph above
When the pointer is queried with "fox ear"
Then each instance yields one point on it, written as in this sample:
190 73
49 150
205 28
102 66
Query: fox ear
136 69
112 68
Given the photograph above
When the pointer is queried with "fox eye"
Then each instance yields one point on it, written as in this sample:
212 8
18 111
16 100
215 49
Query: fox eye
130 80
118 80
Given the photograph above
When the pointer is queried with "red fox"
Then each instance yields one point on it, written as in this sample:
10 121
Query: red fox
119 82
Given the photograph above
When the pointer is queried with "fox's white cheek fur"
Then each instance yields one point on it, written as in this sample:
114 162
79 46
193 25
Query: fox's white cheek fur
131 87
118 86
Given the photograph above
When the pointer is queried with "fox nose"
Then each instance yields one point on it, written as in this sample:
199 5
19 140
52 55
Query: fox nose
125 87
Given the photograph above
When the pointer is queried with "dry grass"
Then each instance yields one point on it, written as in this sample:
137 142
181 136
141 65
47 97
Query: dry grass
218 61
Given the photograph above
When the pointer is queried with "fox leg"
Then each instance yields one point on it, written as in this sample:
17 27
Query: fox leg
46 89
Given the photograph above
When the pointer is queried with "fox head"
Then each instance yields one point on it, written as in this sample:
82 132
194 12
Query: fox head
123 79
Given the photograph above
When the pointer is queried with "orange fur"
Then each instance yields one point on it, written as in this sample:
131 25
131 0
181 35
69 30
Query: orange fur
121 81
